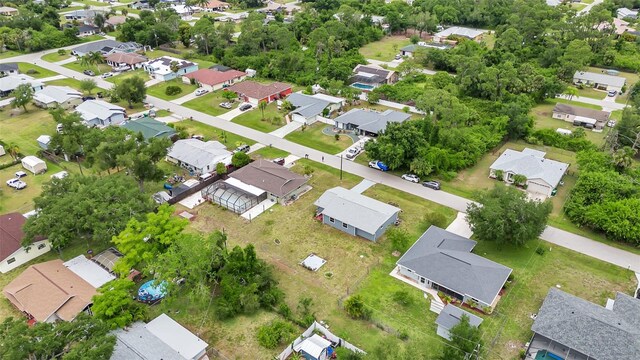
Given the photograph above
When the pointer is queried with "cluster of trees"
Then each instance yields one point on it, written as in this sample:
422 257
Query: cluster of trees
577 141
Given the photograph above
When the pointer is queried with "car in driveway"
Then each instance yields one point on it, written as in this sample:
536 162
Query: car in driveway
432 184
107 75
611 123
612 93
279 161
411 177
245 107
378 165
201 91
89 72
225 105
353 152
242 148
16 184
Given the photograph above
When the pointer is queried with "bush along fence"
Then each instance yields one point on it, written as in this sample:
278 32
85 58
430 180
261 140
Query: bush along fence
318 328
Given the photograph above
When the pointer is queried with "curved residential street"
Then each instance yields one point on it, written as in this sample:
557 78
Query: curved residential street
553 235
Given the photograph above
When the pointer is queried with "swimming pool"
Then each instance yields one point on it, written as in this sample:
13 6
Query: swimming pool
362 86
149 292
546 355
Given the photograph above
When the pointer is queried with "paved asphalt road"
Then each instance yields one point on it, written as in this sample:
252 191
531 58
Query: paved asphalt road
572 241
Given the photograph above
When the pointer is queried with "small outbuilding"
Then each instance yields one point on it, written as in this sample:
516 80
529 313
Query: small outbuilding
34 164
451 316
314 348
44 141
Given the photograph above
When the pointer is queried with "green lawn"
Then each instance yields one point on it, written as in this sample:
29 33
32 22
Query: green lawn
543 120
578 6
313 137
70 8
154 54
129 74
93 3
270 121
592 93
269 153
212 133
35 71
91 38
97 69
72 83
576 103
55 57
385 49
158 90
632 78
209 103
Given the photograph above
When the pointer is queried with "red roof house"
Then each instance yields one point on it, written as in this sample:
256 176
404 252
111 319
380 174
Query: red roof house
253 92
12 254
214 79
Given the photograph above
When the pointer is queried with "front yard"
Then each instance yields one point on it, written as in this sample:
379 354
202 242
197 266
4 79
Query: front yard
209 103
313 137
272 119
55 57
385 49
35 71
158 90
129 74
212 133
79 67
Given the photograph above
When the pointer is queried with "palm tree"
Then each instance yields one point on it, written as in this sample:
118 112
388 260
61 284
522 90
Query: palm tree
95 58
262 105
623 158
571 92
13 150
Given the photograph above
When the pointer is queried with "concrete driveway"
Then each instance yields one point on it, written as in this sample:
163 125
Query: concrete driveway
460 226
185 98
231 114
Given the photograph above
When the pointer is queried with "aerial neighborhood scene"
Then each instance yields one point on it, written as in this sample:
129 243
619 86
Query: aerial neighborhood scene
320 179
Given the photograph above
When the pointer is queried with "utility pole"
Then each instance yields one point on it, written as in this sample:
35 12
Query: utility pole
340 167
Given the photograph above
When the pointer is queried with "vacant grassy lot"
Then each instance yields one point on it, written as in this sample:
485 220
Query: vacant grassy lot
543 120
154 54
313 137
35 71
209 103
158 90
385 49
212 133
272 119
129 74
55 57
97 69
269 153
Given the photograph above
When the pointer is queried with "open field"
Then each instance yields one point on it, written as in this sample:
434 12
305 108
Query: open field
55 57
9 53
158 90
211 133
209 103
269 153
313 137
35 71
273 119
385 49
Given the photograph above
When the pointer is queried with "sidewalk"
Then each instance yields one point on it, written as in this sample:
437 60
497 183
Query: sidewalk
51 78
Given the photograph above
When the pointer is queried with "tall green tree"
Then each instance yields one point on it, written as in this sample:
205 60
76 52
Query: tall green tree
262 105
466 341
72 138
22 96
115 306
142 160
132 90
87 85
505 215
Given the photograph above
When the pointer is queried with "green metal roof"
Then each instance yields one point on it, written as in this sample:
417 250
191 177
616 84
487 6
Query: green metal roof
150 128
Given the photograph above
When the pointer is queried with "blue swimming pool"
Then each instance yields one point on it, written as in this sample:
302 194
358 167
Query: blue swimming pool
362 86
546 355
149 292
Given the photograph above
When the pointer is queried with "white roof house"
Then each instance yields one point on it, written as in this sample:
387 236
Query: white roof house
198 156
9 83
160 68
627 13
177 337
599 80
543 175
57 95
89 271
101 113
468 33
314 346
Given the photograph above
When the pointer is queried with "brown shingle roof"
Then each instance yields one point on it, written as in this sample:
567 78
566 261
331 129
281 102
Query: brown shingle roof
11 234
258 91
270 177
47 288
213 4
214 77
127 58
116 20
580 111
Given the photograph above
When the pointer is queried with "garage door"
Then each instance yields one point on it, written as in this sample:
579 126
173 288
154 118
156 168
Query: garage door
540 188
299 118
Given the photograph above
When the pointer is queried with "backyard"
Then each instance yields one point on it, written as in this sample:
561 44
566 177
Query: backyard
209 103
273 119
55 57
158 90
385 49
313 137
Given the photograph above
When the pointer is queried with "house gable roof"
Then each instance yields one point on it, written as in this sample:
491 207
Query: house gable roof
270 177
92 109
589 328
6 67
213 77
162 65
460 31
617 81
199 153
370 120
306 105
597 115
150 128
258 91
11 234
445 258
56 94
176 336
355 209
532 164
126 58
9 83
373 70
451 315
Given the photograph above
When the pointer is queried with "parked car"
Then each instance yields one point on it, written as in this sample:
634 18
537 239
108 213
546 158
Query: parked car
16 184
107 75
122 68
225 105
279 161
431 184
20 174
245 107
85 98
398 57
198 137
242 148
201 91
89 72
353 152
378 165
612 93
411 177
611 123
59 128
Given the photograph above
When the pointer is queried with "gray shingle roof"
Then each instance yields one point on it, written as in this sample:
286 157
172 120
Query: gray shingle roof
598 115
6 67
532 164
451 315
57 94
106 46
270 177
98 109
199 153
445 258
306 105
371 121
589 328
460 31
360 211
138 343
618 81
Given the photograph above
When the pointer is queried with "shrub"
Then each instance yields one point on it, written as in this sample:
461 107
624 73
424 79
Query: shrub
399 239
403 335
172 90
436 219
402 297
240 159
336 136
274 334
499 174
62 52
356 308
285 311
221 169
32 71
540 251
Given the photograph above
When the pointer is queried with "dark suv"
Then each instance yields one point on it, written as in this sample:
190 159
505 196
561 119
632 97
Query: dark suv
431 184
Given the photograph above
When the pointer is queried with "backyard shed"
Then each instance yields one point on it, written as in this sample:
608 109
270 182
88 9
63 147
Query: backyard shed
43 141
34 164
451 316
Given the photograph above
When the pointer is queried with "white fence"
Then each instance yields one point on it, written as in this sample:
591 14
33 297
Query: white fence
324 331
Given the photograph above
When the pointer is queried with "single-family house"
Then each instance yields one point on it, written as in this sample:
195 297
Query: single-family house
272 181
197 156
106 47
411 49
599 81
213 79
451 316
116 20
570 328
162 338
459 32
54 96
12 253
84 15
579 116
356 214
8 11
443 261
254 92
150 128
623 13
619 26
314 347
101 113
543 175
369 122
167 68
554 3
216 5
44 141
124 60
49 292
9 69
34 164
87 30
311 108
11 82
140 5
368 77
